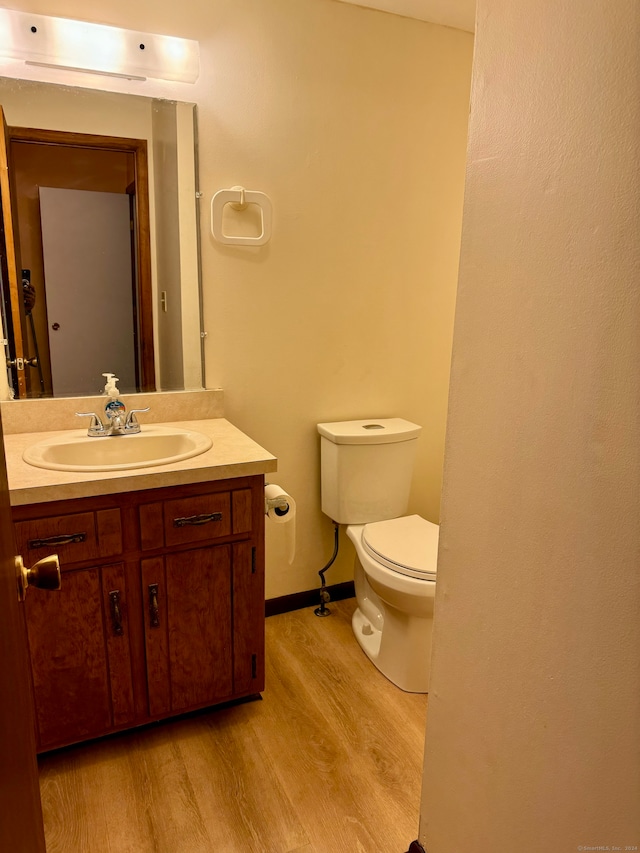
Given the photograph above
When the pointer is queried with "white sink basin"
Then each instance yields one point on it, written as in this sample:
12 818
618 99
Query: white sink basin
155 445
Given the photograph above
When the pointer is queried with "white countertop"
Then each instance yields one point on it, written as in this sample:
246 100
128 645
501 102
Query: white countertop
233 454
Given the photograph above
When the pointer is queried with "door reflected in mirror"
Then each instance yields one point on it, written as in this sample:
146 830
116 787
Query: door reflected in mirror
100 265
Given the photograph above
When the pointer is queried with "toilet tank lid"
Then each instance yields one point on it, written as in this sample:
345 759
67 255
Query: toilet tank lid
370 431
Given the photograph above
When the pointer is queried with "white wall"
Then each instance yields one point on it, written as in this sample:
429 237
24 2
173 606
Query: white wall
354 122
533 731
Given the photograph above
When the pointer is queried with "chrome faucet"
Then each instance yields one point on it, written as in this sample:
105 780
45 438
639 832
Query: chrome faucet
117 423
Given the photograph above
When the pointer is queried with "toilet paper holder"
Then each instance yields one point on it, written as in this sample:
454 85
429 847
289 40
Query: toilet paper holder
239 198
277 504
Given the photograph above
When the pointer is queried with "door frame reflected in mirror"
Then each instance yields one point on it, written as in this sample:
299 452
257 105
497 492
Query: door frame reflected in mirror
37 151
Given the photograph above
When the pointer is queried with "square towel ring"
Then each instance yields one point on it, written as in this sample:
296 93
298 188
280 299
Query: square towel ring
239 198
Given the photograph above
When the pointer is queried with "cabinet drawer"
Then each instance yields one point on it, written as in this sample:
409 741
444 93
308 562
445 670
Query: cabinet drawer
75 538
185 520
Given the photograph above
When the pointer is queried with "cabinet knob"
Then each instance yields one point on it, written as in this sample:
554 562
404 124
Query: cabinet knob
45 574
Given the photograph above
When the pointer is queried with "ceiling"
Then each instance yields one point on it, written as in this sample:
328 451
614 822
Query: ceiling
450 13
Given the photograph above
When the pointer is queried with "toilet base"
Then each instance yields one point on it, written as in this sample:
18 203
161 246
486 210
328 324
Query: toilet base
409 673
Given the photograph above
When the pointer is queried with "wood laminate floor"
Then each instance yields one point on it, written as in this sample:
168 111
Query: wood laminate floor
329 761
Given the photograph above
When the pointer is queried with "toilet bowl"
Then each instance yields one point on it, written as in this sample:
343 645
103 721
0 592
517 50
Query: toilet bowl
395 581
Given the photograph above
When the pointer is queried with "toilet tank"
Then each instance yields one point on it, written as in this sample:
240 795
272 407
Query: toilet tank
366 468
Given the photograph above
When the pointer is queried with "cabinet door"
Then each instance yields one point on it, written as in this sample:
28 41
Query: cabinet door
115 605
71 644
188 629
248 619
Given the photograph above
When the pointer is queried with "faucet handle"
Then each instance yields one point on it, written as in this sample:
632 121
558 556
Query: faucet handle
131 424
96 427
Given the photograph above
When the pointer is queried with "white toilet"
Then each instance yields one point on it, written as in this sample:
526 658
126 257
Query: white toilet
366 469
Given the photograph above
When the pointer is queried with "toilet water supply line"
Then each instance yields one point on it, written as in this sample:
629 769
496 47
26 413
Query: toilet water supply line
323 610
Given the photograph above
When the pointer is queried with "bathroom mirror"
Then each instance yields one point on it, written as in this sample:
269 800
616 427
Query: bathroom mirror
100 222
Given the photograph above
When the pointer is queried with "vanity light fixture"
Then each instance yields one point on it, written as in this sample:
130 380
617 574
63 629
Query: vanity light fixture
80 46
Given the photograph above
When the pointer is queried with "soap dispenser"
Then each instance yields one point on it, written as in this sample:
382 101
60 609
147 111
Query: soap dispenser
115 408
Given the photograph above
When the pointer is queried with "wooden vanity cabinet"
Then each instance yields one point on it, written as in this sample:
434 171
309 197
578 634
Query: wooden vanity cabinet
161 608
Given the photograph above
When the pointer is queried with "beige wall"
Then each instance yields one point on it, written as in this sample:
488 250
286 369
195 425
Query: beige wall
533 729
354 122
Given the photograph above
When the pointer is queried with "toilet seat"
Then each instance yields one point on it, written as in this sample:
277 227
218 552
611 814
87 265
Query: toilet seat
407 545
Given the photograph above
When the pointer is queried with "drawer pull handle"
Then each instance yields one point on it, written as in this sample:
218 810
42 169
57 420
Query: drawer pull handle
154 610
116 613
54 541
197 519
